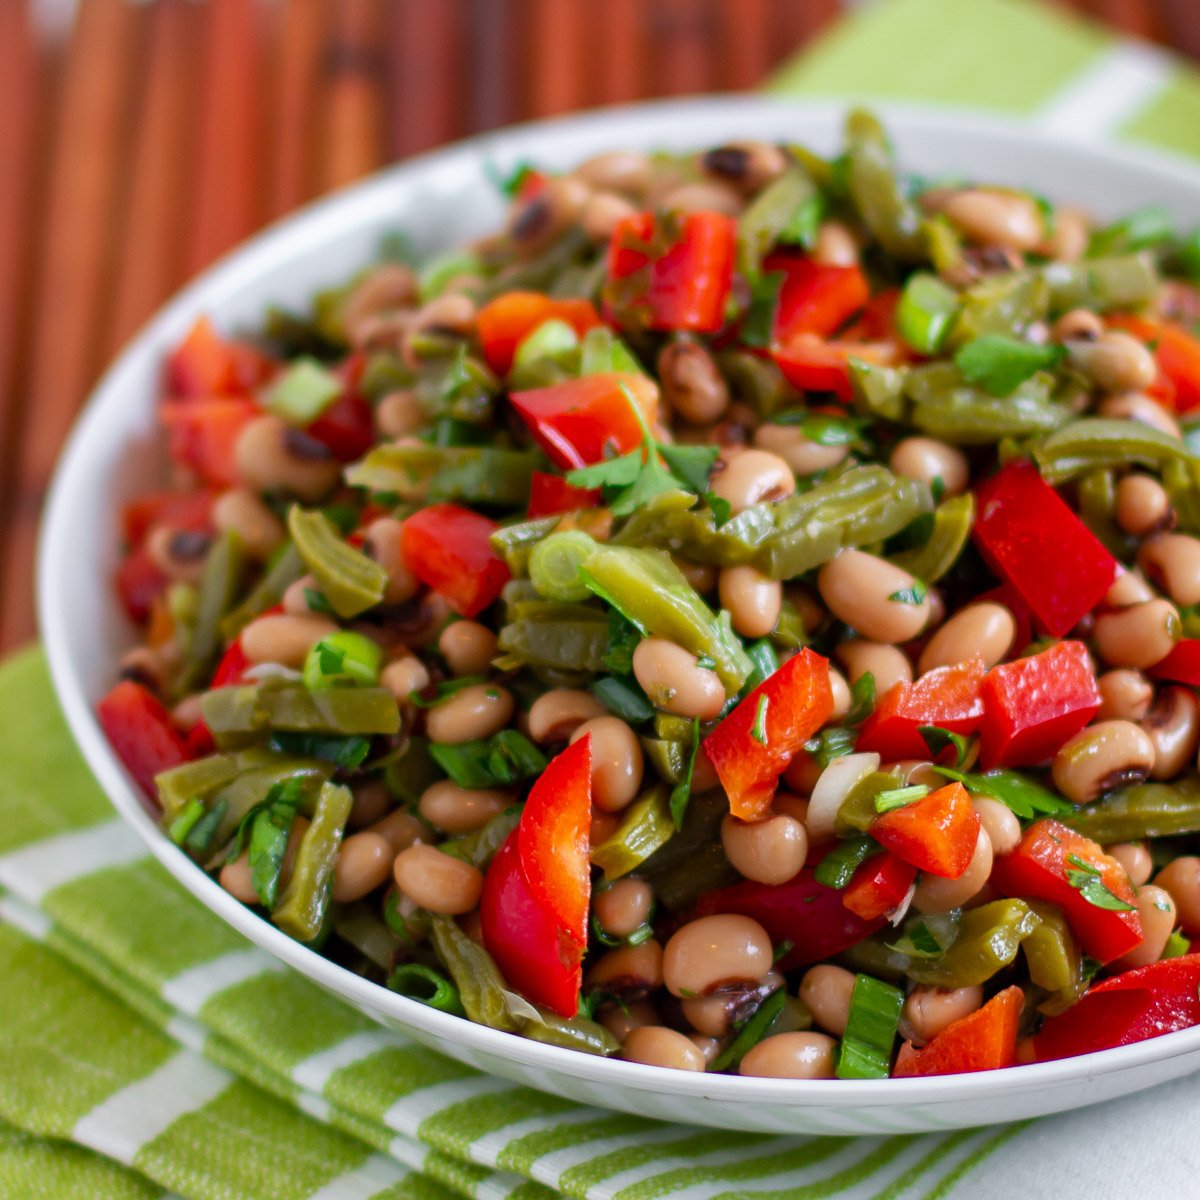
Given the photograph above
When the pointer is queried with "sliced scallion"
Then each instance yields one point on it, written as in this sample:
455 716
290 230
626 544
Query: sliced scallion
866 1049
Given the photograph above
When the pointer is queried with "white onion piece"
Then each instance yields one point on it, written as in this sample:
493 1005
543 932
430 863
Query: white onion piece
832 787
901 910
272 670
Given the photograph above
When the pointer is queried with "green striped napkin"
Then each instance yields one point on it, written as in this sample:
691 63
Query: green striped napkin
147 1051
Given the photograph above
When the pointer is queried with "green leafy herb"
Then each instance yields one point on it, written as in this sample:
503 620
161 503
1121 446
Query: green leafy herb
1026 798
892 798
938 739
911 595
623 638
825 429
346 753
862 699
837 868
429 697
506 757
269 839
758 729
928 936
802 226
758 324
751 1032
1140 230
317 602
185 820
1087 880
510 184
720 508
623 698
766 662
199 839
1000 364
681 793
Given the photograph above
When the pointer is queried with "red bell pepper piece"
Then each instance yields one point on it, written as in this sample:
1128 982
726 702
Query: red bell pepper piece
984 1040
1177 352
1033 705
1130 1007
550 495
533 910
798 702
504 323
946 696
579 421
234 664
813 297
1034 542
688 283
802 911
206 364
140 730
346 427
879 886
140 582
201 434
813 365
936 833
1048 862
446 547
1182 664
180 510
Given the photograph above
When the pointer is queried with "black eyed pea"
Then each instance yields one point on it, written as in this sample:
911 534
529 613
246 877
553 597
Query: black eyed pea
625 171
1137 406
874 597
1173 727
748 166
1128 588
713 1016
602 212
364 863
403 676
798 1055
542 219
1135 858
1069 239
617 762
936 895
398 414
436 881
769 851
692 386
887 665
629 972
1115 361
296 596
1172 561
241 512
999 822
1181 880
556 714
386 288
702 576
1156 910
622 1019
996 218
400 829
283 638
753 600
840 690
929 1010
703 196
1141 505
985 631
1077 325
1125 695
673 682
624 907
272 456
660 1046
179 553
382 543
1137 636
372 801
801 453
752 477
473 712
709 1047
457 810
1103 756
717 953
835 245
825 990
448 316
468 647
928 460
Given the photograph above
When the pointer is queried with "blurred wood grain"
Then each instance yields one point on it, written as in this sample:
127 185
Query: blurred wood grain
156 134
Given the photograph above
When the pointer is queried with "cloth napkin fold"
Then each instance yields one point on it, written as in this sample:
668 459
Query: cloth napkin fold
147 1051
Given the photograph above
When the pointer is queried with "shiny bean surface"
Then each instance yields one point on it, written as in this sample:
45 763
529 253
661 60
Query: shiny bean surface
383 545
1172 561
691 385
985 631
1116 361
403 676
769 851
628 970
258 529
999 822
468 647
623 907
929 1010
1141 505
284 639
474 712
1138 636
436 881
669 676
457 810
401 829
936 895
927 460
1107 755
1135 858
363 864
885 664
802 454
556 714
1181 879
1137 406
717 952
1125 695
622 1019
799 1055
617 762
271 456
1156 911
873 596
751 477
826 990
752 599
996 218
1173 727
660 1046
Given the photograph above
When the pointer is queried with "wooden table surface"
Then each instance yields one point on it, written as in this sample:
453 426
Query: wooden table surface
148 138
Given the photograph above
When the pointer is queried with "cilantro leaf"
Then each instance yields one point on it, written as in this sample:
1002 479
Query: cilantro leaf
938 739
691 464
862 699
911 595
1088 882
622 641
681 793
613 472
720 508
316 602
759 322
1026 798
758 730
1000 364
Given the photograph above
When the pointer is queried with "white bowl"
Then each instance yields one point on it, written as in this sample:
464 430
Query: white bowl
439 199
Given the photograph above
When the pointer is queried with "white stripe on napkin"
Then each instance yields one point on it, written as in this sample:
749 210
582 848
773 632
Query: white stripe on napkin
36 870
370 1178
190 990
407 1114
313 1073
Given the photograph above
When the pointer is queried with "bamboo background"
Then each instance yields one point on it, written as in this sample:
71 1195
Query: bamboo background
144 139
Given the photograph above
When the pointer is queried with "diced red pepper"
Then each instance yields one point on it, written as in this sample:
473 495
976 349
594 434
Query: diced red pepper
201 434
550 495
1035 543
140 730
179 510
1182 664
879 886
814 365
504 323
346 427
1033 705
813 297
446 547
985 1040
140 582
205 364
1177 352
1041 868
936 833
1130 1007
798 701
580 421
688 283
233 666
946 696
878 320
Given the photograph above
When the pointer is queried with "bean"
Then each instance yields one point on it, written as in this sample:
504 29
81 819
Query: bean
1128 588
270 456
714 953
801 453
1181 880
825 990
541 220
985 631
835 246
752 477
617 762
748 166
237 879
387 287
887 665
471 713
622 1019
628 971
692 386
1125 695
382 543
556 714
1072 232
658 1046
447 315
1115 361
468 647
999 822
399 414
403 676
601 214
798 1055
702 576
929 1010
808 606
1135 858
282 638
1078 325
927 460
1103 756
936 895
1156 910
616 170
457 810
753 600
179 553
624 907
840 690
401 830
1138 636
768 851
603 826
364 863
1173 727
802 774
1136 406
863 591
295 596
713 1016
996 218
372 801
707 196
709 1047
1172 561
241 512
436 881
1142 506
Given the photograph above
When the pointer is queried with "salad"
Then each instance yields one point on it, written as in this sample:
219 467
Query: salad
743 615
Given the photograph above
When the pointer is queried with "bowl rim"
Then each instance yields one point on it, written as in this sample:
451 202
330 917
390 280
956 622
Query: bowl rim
274 244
